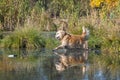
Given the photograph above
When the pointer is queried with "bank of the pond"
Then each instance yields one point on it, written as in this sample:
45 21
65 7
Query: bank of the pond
28 37
33 37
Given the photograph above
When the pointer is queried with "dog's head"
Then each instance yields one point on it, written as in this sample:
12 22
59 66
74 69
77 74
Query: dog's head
61 31
60 34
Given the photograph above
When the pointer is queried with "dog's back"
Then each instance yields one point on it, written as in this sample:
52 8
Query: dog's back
76 41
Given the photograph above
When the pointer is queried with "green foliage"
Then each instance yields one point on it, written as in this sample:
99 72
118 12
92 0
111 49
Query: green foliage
15 13
51 43
31 34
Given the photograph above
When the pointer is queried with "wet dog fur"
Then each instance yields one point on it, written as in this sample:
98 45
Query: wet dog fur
72 41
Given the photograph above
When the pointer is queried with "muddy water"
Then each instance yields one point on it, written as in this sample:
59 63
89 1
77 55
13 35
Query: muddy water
47 65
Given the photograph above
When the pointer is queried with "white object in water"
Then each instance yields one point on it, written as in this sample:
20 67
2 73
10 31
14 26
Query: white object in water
12 55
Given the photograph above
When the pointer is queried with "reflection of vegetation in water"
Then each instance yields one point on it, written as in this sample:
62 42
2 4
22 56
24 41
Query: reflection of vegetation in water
37 65
108 62
19 62
40 65
8 64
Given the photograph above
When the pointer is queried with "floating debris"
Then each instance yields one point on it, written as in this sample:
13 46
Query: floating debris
12 55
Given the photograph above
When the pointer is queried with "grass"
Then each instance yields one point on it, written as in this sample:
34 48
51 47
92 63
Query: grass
51 43
104 34
31 34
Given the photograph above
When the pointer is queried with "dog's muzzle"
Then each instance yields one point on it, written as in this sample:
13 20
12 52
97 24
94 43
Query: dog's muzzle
57 37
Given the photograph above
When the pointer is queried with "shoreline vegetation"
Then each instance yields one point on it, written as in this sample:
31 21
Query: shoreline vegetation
25 20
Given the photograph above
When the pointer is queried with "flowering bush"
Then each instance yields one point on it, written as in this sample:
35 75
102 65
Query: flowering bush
107 3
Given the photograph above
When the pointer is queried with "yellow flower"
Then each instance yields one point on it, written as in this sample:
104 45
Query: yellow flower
109 3
96 3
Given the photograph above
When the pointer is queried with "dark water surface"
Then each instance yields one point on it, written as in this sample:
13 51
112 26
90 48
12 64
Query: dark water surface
47 65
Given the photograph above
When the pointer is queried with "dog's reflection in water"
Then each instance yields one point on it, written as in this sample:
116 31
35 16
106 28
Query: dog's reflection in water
70 58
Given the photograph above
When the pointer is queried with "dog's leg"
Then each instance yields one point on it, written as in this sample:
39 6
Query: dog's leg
60 47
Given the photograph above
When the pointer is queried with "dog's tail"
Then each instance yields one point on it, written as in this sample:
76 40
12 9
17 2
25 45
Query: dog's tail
85 32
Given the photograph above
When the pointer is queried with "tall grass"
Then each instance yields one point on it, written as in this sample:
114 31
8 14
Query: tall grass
31 34
103 33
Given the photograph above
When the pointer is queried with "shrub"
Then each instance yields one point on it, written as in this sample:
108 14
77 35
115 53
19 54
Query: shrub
31 34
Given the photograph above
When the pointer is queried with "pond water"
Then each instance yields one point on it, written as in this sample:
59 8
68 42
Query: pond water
45 64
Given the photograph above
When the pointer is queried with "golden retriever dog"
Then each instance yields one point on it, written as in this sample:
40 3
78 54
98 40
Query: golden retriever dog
72 41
